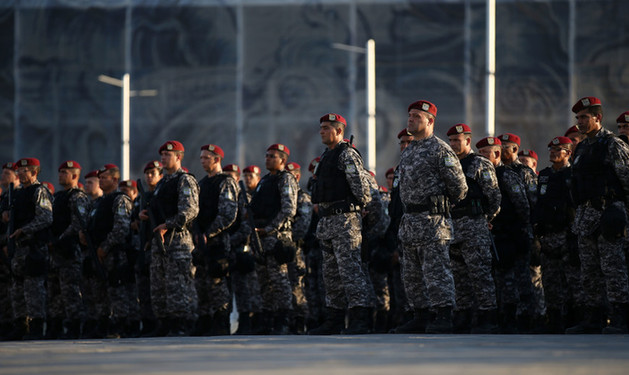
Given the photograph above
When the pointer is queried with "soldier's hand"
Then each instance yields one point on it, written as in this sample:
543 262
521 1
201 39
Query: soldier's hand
5 216
490 226
161 230
134 225
16 234
315 208
101 254
144 215
82 238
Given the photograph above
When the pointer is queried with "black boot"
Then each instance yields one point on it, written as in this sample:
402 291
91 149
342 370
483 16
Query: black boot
280 323
54 328
618 321
591 322
244 323
554 323
380 324
115 329
73 330
508 323
442 322
89 327
358 321
417 324
221 325
148 326
525 322
162 327
333 324
261 323
485 323
132 328
298 325
178 327
203 326
19 329
462 321
35 329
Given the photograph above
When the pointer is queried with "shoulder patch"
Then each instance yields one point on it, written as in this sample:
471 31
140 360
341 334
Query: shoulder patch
350 168
186 191
516 188
486 176
449 161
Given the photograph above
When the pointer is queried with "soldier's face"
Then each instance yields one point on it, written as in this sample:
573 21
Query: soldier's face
209 161
131 192
558 154
273 161
587 122
575 138
107 182
92 185
251 180
8 176
390 178
329 134
418 122
492 153
169 159
509 150
405 140
528 161
26 176
65 177
623 129
460 144
152 177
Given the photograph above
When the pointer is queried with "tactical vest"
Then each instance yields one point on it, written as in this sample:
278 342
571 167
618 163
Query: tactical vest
209 190
593 179
102 218
508 216
266 201
554 211
330 184
23 205
61 211
475 202
165 200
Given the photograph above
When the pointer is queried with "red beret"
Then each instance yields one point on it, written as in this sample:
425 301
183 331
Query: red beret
252 169
424 105
92 174
529 153
572 129
583 103
508 137
279 147
231 168
459 129
488 141
389 171
213 149
70 164
313 164
128 183
107 167
558 141
153 164
27 162
333 117
292 166
49 186
402 133
9 165
623 118
171 146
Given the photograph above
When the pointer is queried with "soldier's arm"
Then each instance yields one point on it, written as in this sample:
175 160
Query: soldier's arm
452 174
351 163
618 157
303 217
43 212
79 204
486 178
187 203
517 193
288 199
227 208
122 223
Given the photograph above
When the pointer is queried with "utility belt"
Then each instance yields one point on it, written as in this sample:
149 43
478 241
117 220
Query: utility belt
471 209
438 205
337 208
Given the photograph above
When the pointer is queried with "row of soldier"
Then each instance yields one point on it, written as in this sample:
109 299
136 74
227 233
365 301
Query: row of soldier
464 247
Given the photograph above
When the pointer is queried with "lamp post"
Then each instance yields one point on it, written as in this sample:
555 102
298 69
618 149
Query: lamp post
127 93
370 53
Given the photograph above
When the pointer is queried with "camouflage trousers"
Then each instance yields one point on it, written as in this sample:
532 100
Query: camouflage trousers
246 289
118 274
381 289
314 286
514 286
275 286
6 309
172 285
472 271
64 289
212 292
296 273
143 287
347 283
561 276
28 291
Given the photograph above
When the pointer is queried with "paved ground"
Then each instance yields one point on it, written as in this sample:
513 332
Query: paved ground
366 354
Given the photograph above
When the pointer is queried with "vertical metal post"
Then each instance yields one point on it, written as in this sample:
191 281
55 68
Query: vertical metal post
371 105
124 175
240 72
490 110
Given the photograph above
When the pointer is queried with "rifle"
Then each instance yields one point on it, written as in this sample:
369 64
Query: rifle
11 225
98 266
255 243
160 241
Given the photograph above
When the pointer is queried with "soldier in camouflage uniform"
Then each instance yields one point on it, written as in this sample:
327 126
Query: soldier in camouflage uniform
431 179
510 233
600 187
297 268
32 206
245 284
69 211
109 229
9 176
218 208
553 217
273 205
470 251
174 205
340 191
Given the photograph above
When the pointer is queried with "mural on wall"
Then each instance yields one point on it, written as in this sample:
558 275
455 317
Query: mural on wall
246 75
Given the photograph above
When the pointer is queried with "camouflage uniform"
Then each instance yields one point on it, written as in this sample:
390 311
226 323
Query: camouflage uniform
347 283
29 263
142 264
217 212
297 268
172 285
6 310
428 169
70 212
470 251
601 183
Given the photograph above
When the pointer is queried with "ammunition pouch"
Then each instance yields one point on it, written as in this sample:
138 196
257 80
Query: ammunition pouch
437 205
284 251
